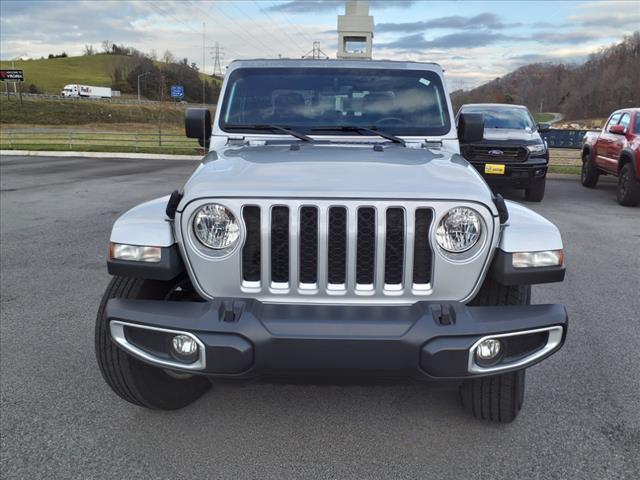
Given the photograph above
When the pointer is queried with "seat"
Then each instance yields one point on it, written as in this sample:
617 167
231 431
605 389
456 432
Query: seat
288 108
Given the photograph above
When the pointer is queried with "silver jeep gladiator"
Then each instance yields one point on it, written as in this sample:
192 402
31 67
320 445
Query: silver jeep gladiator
332 232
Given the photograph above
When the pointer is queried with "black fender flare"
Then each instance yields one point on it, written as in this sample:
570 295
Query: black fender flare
630 154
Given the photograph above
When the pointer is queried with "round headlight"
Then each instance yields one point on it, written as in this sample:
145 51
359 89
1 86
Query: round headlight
215 226
459 230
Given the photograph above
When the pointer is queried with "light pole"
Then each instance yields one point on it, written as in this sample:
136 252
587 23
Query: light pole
141 75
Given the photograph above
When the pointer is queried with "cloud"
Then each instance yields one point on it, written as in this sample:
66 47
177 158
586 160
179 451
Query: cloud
453 40
483 20
618 14
306 6
563 37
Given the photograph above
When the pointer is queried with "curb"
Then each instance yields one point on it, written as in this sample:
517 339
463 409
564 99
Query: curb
139 156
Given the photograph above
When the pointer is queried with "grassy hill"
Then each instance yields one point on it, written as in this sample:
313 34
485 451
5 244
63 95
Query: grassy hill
83 112
51 74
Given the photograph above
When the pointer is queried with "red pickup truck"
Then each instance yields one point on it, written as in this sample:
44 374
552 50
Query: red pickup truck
615 151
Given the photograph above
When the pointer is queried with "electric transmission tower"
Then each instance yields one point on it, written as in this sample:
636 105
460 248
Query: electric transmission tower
217 55
316 52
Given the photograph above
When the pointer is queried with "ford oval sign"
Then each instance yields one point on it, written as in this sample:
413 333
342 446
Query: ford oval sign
496 153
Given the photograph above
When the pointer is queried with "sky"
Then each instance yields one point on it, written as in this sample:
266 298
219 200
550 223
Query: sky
475 41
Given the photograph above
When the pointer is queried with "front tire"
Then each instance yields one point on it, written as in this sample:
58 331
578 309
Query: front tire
589 174
628 187
497 398
535 193
133 380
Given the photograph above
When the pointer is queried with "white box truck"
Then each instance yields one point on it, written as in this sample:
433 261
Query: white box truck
86 91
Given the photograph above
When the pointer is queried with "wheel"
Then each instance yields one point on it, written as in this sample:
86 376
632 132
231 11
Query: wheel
497 398
131 379
628 187
589 174
535 193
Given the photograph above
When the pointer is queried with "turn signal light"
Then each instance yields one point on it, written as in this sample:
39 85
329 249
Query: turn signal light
546 258
134 253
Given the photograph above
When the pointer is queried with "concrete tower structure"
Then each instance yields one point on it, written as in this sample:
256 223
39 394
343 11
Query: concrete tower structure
355 31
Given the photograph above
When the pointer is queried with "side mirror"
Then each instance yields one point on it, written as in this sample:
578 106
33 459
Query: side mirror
543 127
617 129
470 127
197 124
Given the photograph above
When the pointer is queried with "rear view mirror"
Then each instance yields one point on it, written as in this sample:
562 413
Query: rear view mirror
197 124
470 127
543 127
617 129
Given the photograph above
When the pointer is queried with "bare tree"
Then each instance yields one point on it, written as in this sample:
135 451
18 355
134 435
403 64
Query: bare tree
605 82
167 57
107 46
88 50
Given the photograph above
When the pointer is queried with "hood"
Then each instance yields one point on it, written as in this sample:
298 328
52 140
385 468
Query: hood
336 171
508 134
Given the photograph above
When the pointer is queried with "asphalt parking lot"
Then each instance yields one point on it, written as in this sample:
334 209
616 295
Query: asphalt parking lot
60 420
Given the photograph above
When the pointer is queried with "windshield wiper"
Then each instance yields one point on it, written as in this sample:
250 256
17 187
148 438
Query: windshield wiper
271 128
359 129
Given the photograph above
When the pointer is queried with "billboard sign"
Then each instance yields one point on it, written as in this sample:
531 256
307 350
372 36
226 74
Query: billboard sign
12 75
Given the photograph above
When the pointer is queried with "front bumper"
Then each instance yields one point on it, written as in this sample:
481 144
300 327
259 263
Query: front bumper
516 175
246 339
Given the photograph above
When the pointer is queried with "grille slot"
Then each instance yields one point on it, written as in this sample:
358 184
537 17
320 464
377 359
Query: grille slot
366 246
280 244
337 261
422 255
251 249
394 248
308 245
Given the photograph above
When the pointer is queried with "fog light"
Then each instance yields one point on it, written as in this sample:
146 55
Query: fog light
488 349
184 345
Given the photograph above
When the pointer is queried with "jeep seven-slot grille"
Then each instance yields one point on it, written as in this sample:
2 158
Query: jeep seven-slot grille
344 252
488 153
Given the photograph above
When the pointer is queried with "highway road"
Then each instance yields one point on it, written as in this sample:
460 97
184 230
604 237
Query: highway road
59 419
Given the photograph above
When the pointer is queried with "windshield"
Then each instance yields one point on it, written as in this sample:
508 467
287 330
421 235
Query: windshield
399 102
503 117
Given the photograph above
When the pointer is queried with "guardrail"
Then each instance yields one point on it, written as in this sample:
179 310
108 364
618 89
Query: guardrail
98 141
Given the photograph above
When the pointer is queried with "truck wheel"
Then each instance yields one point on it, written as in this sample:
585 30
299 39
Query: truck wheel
628 187
535 193
498 397
131 379
590 174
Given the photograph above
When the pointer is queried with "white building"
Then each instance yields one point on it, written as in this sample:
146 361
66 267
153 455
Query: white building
355 31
